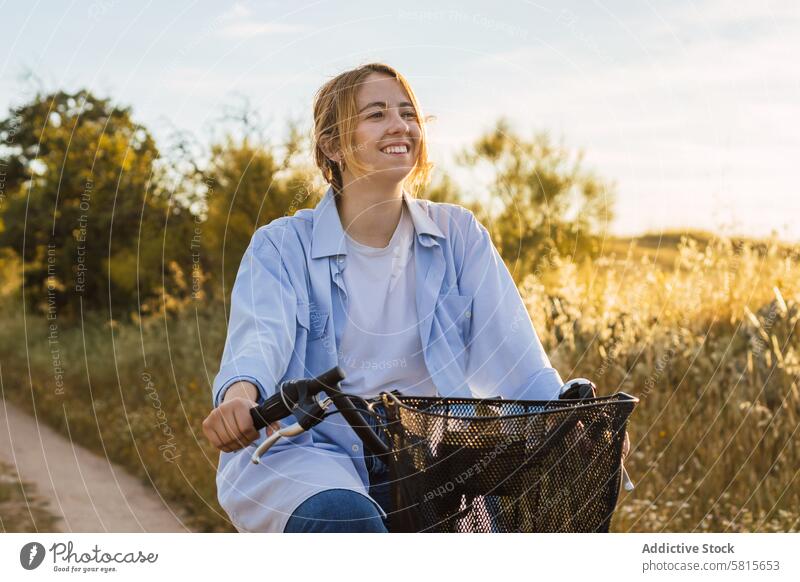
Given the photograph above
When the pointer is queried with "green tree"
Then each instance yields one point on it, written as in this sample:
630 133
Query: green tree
86 210
248 184
541 200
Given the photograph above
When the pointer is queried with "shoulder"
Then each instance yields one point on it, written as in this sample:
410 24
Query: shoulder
447 216
464 235
287 234
458 224
445 212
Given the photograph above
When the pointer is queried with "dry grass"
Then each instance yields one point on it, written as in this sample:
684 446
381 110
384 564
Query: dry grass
706 340
711 349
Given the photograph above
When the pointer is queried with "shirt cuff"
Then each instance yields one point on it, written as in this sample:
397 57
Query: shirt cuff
250 369
261 394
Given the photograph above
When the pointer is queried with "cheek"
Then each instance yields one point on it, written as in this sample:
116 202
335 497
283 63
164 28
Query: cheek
365 137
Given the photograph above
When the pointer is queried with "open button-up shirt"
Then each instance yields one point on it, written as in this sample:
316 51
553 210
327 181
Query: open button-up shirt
288 311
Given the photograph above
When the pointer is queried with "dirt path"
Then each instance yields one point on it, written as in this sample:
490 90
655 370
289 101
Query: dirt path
86 491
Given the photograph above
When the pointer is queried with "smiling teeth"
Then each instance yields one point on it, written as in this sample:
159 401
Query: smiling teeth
395 150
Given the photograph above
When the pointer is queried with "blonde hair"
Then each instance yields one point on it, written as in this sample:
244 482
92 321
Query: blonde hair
336 117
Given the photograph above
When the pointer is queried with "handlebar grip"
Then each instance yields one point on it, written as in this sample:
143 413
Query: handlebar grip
289 393
328 379
266 413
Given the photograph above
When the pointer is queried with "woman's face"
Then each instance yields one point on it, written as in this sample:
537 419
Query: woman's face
387 134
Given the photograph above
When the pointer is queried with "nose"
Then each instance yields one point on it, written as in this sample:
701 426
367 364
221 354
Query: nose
397 123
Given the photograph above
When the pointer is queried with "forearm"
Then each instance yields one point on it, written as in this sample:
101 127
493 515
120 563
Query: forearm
241 389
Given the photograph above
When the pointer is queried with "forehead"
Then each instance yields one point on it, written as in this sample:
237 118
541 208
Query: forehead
380 87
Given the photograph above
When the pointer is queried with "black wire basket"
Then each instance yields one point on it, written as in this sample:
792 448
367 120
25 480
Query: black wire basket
470 465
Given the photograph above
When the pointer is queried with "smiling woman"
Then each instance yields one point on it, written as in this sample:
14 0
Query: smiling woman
351 112
401 293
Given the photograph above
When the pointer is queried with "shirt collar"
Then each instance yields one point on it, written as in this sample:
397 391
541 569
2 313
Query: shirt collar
327 236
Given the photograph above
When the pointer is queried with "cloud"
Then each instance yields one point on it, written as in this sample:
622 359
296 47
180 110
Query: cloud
252 29
239 22
237 12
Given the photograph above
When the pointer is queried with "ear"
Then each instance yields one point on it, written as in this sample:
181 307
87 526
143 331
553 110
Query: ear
326 144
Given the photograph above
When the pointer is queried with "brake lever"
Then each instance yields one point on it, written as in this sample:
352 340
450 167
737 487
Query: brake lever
308 413
289 431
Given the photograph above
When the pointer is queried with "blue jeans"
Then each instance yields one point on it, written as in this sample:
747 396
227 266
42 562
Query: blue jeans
345 511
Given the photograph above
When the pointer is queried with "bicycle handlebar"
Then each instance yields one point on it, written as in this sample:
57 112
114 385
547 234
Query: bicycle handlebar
292 393
299 397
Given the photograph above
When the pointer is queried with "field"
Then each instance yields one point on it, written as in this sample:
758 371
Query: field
702 330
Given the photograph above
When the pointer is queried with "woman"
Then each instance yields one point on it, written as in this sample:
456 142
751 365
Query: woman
400 292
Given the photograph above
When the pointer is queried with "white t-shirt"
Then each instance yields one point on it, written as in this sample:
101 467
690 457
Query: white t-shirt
381 349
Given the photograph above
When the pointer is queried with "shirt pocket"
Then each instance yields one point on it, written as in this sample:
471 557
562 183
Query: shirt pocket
313 320
455 315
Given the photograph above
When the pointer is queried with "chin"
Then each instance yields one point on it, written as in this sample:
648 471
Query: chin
395 175
391 172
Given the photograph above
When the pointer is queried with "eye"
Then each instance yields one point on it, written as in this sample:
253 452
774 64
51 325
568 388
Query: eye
406 114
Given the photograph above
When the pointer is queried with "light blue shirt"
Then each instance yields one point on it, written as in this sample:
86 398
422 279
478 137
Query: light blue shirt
288 310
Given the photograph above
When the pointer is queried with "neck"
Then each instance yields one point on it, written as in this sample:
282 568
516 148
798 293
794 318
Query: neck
370 212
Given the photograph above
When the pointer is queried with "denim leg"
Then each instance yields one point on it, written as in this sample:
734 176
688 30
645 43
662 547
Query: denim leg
336 511
379 487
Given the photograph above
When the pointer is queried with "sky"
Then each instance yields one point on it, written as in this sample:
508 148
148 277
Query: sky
691 108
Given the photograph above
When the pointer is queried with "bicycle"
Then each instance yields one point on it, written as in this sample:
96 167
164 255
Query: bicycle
477 465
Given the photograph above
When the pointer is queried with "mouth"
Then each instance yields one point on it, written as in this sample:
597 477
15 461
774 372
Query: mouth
396 149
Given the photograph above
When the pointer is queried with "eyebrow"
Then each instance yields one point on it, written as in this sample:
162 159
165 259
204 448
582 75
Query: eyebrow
382 104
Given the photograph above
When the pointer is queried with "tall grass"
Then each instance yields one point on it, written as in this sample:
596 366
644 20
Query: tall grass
711 349
709 346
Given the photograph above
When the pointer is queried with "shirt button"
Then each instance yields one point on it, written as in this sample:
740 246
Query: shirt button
355 448
340 260
468 314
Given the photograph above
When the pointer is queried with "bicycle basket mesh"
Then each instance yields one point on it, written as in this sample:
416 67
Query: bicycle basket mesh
468 465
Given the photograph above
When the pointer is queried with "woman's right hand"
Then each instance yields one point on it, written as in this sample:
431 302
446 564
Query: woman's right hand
230 427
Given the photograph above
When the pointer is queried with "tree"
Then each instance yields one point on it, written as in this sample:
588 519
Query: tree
546 201
248 186
442 189
86 209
